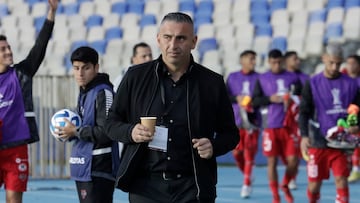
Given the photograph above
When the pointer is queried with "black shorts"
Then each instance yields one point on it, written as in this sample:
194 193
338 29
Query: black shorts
99 190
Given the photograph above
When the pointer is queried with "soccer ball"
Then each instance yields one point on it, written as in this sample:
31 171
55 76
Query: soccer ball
58 120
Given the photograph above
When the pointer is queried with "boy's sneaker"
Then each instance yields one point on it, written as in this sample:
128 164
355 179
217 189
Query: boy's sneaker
354 176
245 191
292 185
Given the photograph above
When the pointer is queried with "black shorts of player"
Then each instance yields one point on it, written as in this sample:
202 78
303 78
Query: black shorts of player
99 190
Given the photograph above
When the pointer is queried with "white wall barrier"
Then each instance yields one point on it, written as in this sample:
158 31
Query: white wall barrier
48 157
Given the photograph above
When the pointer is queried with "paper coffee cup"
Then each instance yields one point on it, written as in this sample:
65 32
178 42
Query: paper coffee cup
149 122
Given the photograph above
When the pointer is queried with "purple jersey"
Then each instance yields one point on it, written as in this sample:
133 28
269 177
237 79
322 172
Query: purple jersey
12 111
302 77
278 84
331 98
241 84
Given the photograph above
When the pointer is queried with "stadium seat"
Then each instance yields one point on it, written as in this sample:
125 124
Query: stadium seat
113 33
206 31
240 18
240 5
312 5
38 9
99 46
262 45
187 6
20 9
77 44
94 20
318 15
205 6
295 5
129 20
38 22
351 3
148 33
334 4
32 2
314 46
136 7
206 45
131 33
278 5
259 6
111 20
225 33
152 7
221 18
71 9
169 6
279 43
77 34
119 7
352 24
263 30
244 35
199 20
335 15
75 21
260 18
115 46
279 17
147 19
102 8
95 33
296 44
4 11
281 30
211 59
87 9
334 32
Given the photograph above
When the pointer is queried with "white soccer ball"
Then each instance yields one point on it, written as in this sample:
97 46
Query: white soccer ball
58 120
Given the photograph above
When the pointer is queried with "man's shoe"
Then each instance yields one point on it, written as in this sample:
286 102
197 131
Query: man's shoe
292 185
245 191
354 176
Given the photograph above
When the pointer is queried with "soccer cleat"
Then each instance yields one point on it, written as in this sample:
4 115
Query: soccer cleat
292 185
288 196
354 176
245 191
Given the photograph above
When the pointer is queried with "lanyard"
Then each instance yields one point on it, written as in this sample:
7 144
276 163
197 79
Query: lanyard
162 93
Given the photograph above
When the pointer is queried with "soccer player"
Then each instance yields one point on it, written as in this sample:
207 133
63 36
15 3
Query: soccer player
272 95
240 87
352 69
292 64
17 115
325 99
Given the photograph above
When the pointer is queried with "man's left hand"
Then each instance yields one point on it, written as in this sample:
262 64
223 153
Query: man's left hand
204 147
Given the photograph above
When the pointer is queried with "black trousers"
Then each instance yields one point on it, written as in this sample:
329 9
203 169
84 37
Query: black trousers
99 190
155 189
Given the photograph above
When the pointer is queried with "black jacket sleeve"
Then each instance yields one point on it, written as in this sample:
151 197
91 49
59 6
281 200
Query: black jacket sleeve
307 109
259 99
97 134
36 55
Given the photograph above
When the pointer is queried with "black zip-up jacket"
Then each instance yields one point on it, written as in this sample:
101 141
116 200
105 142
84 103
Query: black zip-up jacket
209 114
25 71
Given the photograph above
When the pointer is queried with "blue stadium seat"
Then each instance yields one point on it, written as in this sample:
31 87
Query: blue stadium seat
32 2
333 30
278 5
279 43
260 18
119 7
205 6
136 7
147 19
4 11
94 20
207 45
187 6
202 19
259 6
38 23
319 15
71 9
77 44
263 30
99 46
352 3
335 3
113 32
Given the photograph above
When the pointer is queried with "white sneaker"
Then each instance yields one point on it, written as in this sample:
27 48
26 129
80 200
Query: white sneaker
245 191
292 185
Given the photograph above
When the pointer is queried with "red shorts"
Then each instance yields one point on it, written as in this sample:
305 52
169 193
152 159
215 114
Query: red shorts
14 168
248 140
322 160
279 142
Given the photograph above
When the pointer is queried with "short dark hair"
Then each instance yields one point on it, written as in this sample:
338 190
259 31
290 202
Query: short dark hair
85 54
136 46
247 52
275 53
178 17
3 38
355 57
289 54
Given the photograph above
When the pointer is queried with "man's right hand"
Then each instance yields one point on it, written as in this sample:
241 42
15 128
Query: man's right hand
141 134
305 144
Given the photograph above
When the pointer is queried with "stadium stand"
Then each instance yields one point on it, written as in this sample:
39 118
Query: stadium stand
235 25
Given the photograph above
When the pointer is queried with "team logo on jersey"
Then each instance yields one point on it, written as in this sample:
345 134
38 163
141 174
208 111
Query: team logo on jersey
245 88
5 103
22 167
336 96
281 89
